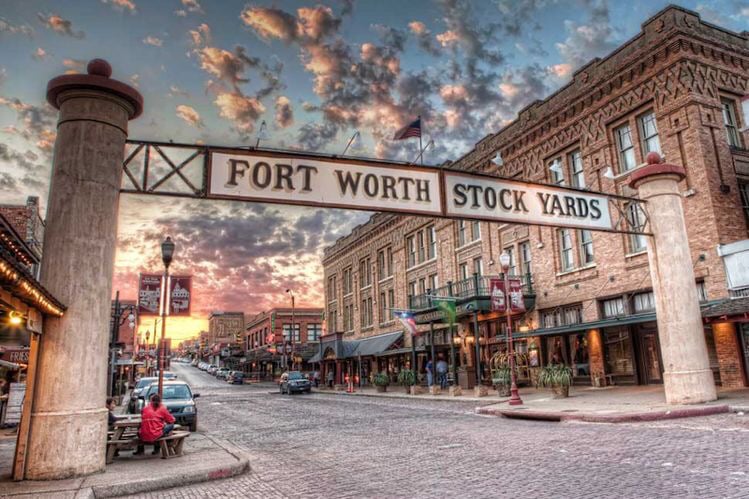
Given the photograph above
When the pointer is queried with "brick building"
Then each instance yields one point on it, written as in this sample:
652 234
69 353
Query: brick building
28 223
676 88
222 326
268 338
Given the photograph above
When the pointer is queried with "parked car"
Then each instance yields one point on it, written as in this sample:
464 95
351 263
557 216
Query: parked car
236 378
142 384
222 373
168 375
294 382
178 399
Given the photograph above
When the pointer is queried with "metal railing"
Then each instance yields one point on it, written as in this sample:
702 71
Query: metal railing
477 286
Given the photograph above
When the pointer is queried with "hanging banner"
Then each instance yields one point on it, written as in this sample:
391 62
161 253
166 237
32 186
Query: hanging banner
497 294
149 294
180 292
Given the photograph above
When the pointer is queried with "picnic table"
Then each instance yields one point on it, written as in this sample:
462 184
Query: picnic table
124 436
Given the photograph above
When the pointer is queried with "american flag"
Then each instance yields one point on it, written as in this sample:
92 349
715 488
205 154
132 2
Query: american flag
407 319
413 129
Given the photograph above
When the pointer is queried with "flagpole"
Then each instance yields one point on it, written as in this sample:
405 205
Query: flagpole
421 152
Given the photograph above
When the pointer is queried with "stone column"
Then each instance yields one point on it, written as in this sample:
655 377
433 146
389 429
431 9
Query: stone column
69 420
687 375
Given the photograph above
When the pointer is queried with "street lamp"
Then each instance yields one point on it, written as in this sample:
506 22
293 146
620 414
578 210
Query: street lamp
167 252
504 261
293 327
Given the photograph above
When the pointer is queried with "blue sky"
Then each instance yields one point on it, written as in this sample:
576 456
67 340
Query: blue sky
212 71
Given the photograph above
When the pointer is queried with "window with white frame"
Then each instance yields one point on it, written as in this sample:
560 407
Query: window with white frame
585 238
636 221
613 307
730 122
701 292
314 331
576 169
461 232
625 147
478 266
287 332
420 246
422 286
433 282
513 267
566 251
431 242
525 257
332 288
365 273
412 288
391 303
475 231
348 281
649 133
643 302
562 316
463 271
556 169
384 263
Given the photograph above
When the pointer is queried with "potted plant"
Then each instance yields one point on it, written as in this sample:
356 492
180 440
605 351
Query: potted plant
407 378
501 380
558 377
381 381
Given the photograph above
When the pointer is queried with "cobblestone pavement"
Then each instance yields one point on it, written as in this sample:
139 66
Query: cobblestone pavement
334 446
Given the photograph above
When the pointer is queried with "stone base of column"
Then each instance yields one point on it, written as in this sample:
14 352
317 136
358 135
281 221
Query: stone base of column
480 391
71 444
689 387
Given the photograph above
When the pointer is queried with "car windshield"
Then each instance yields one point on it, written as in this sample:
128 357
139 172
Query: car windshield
172 392
144 382
296 375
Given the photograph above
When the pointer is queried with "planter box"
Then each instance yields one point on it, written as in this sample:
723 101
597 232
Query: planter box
561 392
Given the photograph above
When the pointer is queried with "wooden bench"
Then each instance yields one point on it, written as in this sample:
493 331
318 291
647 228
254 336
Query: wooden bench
125 437
171 445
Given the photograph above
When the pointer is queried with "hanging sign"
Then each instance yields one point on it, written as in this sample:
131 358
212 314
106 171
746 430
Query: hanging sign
497 295
149 294
180 292
331 183
516 295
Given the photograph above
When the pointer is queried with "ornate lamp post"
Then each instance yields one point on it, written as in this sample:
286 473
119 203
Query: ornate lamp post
167 251
293 328
504 261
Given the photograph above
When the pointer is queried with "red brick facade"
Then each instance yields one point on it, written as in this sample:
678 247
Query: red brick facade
268 327
667 89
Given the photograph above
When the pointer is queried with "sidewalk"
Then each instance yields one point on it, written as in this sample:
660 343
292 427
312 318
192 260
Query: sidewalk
399 392
614 404
204 459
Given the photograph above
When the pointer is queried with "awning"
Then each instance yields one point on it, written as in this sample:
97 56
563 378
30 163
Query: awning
730 308
376 344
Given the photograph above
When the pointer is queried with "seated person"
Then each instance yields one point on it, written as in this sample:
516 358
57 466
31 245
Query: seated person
112 416
156 422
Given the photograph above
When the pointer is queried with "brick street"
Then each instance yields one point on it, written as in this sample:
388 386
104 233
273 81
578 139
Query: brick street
323 445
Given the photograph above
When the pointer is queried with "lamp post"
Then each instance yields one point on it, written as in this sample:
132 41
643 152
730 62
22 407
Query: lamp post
293 327
504 261
167 251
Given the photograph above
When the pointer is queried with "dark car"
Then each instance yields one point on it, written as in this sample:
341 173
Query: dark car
178 399
295 382
142 384
236 378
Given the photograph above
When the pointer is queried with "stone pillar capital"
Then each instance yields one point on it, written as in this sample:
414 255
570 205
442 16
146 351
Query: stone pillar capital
97 79
655 169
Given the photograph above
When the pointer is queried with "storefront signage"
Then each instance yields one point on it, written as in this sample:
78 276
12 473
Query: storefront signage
149 294
180 295
16 356
372 186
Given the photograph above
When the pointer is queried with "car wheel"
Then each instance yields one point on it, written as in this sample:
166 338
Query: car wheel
309 390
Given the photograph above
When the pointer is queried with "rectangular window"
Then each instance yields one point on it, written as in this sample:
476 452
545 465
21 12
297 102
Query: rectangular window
562 316
637 223
731 123
331 288
618 352
389 258
586 247
478 266
421 247
463 271
314 331
744 191
625 147
461 233
613 307
525 255
365 273
287 332
365 314
411 244
566 257
382 308
370 312
649 133
332 318
556 168
347 281
576 167
412 288
513 268
643 302
475 231
701 292
433 282
432 242
381 267
422 286
391 302
346 318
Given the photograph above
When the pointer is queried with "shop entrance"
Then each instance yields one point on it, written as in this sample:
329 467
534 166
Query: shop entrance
648 351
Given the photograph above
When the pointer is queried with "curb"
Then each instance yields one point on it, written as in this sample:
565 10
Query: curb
424 396
632 417
179 480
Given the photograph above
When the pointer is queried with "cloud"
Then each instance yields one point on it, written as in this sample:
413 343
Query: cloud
284 113
518 17
423 37
74 65
240 109
135 80
476 40
7 27
121 5
594 38
228 67
270 23
193 6
39 54
59 25
189 115
152 40
176 91
38 124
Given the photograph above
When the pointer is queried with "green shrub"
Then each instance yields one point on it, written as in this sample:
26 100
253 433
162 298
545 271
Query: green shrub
381 379
407 377
555 375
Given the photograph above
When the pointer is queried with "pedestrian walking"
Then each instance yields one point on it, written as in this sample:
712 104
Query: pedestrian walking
330 378
430 373
442 373
316 378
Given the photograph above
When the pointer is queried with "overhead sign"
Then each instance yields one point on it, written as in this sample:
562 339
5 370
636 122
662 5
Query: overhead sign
180 295
330 183
503 200
149 294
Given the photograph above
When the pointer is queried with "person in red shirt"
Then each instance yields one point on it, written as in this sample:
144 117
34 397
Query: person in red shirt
156 422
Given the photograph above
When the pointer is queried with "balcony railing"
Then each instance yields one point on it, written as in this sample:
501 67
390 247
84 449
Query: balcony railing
478 286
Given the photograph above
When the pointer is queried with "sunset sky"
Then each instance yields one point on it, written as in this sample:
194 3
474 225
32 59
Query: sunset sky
212 71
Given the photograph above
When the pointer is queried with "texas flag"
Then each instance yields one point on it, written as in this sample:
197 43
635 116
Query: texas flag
407 319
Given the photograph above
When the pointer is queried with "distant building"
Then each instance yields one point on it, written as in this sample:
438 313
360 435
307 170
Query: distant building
222 326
